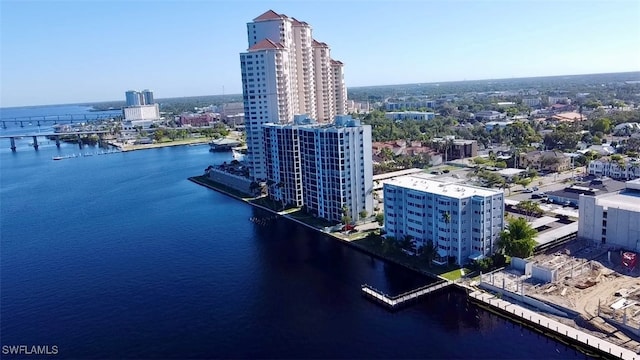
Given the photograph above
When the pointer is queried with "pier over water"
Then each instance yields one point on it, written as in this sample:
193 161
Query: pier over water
395 302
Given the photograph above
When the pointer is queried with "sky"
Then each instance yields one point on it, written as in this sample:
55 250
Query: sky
75 51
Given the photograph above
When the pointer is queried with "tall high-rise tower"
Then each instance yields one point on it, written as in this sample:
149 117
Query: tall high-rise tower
285 73
147 96
133 98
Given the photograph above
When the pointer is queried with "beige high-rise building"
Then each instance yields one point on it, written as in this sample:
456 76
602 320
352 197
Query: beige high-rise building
285 72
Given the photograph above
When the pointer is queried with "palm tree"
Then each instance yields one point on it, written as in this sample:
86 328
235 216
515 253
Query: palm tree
429 252
517 239
279 186
446 217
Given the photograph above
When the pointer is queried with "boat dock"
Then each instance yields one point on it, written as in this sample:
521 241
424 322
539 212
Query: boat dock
395 302
558 330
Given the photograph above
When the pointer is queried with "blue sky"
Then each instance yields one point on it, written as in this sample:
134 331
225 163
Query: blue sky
55 52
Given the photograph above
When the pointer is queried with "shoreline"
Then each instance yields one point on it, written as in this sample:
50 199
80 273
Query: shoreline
578 344
360 248
127 148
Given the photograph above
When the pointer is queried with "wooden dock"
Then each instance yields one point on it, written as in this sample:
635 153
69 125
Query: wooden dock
395 302
560 330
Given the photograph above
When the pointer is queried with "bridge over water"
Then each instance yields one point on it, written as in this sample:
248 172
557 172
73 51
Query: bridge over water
56 136
55 119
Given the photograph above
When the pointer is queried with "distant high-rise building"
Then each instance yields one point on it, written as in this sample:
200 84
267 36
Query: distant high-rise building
285 73
137 98
140 106
133 98
147 96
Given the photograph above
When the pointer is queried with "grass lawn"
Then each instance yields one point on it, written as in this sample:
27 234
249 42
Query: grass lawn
310 219
454 274
375 245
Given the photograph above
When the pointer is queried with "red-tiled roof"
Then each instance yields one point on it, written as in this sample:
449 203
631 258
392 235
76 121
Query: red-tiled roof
297 22
265 45
269 15
336 62
318 43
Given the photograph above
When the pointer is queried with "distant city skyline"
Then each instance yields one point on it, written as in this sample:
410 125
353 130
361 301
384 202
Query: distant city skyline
83 51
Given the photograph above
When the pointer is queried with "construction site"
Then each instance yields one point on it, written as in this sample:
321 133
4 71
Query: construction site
591 286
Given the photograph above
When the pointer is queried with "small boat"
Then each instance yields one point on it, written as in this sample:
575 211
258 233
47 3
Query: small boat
58 158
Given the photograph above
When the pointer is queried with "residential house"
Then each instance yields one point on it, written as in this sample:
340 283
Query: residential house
551 161
626 169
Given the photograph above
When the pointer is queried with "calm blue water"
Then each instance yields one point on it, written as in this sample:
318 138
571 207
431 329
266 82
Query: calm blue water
119 256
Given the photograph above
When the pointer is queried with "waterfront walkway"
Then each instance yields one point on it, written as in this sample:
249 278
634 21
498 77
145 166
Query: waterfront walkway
394 302
554 326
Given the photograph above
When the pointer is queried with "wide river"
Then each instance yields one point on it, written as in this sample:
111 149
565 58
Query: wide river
120 256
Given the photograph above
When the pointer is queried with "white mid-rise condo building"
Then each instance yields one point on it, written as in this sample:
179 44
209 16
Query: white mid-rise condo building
464 222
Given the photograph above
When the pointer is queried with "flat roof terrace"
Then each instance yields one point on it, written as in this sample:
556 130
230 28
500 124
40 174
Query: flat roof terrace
453 190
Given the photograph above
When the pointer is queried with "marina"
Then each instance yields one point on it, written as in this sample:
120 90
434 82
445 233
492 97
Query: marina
97 153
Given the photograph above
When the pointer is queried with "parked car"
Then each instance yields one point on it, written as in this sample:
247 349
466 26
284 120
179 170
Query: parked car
538 196
526 190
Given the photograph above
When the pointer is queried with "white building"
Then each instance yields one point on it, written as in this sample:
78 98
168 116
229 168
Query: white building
409 115
554 99
285 72
142 112
612 219
628 169
531 102
463 221
406 105
325 167
489 115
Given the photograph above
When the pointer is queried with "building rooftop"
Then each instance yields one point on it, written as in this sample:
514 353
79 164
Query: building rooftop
542 221
510 171
269 15
266 44
627 200
453 190
552 235
398 173
597 187
317 43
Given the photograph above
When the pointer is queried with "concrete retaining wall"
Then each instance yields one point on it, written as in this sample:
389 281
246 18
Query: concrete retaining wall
233 181
524 299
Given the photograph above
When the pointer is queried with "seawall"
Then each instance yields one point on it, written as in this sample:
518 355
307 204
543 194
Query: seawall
346 242
584 342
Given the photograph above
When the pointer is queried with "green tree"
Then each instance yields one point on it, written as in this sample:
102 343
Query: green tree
363 214
380 218
346 219
517 239
530 208
158 134
602 125
524 182
429 252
